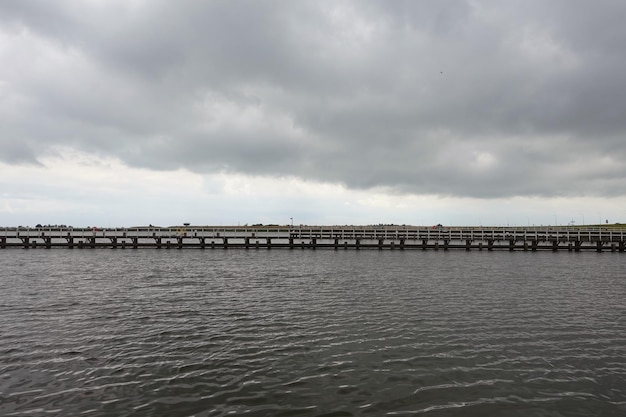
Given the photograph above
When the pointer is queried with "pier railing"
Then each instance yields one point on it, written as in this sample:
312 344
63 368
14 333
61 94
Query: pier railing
359 237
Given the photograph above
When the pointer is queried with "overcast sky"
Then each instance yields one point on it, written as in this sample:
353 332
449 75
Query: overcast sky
493 112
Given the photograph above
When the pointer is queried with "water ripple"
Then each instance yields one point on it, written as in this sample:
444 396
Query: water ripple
315 333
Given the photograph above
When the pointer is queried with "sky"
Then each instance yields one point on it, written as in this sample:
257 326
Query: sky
117 113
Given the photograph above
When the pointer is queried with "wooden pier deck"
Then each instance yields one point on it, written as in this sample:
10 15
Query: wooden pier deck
322 237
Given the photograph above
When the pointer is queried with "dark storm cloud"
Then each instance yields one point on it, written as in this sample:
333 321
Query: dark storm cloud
480 98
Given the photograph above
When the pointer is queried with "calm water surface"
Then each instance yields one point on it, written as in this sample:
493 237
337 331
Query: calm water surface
311 333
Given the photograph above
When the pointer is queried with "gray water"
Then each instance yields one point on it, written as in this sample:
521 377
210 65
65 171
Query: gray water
311 333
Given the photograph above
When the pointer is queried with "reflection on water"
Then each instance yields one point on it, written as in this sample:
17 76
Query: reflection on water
311 333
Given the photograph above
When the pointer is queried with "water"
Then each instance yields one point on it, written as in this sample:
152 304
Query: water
311 333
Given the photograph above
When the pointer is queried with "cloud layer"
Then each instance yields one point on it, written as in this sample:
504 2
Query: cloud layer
481 99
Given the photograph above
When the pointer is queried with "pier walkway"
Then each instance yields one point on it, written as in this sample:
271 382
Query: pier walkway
322 237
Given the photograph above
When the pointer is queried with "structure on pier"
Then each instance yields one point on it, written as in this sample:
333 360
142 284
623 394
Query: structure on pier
322 237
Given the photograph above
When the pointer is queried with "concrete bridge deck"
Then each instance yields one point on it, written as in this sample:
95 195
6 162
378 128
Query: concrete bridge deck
314 237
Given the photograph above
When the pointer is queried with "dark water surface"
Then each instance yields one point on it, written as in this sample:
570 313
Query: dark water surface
311 333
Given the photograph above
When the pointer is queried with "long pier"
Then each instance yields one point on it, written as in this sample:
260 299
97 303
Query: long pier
322 237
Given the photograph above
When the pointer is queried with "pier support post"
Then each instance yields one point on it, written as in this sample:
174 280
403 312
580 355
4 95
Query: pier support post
180 242
468 245
202 243
525 246
511 245
336 244
622 246
424 244
290 243
446 243
158 242
534 245
225 242
613 247
437 245
92 242
599 246
380 244
480 246
401 244
269 243
3 242
247 242
168 245
135 242
314 242
123 244
569 247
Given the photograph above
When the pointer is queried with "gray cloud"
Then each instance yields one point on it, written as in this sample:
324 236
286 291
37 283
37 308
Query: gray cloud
486 99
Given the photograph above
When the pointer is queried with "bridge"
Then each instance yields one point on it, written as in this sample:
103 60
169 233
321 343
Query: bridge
321 237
